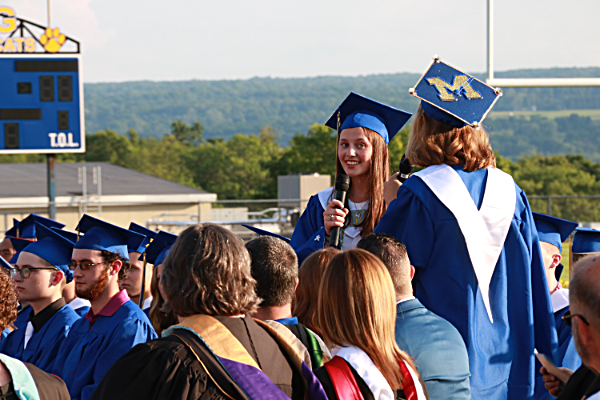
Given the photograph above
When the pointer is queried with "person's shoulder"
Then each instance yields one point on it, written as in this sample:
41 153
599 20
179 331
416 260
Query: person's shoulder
50 387
130 310
67 315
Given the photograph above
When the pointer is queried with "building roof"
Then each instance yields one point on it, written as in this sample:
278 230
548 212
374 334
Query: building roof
29 181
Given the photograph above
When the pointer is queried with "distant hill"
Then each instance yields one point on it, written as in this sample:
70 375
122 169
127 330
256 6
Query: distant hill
292 105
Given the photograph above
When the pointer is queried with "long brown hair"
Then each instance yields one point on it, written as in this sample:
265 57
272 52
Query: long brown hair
432 143
307 292
379 172
160 319
357 306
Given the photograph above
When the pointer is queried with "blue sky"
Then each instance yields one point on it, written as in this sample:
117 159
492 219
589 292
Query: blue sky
125 40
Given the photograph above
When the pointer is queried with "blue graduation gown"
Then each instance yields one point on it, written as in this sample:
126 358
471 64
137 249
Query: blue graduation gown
5 333
43 346
23 317
87 353
501 357
309 234
82 311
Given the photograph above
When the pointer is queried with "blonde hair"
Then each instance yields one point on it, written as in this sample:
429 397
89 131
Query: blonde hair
379 172
432 143
357 306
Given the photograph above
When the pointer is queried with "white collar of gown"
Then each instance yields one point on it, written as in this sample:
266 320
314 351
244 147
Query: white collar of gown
484 230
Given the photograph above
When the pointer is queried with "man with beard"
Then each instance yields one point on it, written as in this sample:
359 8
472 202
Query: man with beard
114 323
39 272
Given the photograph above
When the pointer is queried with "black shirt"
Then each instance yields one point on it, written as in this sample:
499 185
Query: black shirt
39 320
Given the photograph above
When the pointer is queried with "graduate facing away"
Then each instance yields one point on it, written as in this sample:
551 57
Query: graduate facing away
470 235
217 351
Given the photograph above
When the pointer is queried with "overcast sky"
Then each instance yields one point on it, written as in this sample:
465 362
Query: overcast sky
125 40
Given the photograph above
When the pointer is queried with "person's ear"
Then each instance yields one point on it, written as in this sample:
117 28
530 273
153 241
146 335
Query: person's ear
412 272
115 267
556 259
57 277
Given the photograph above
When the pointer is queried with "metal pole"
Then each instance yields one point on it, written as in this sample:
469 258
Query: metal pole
49 19
490 39
99 169
199 211
84 188
51 160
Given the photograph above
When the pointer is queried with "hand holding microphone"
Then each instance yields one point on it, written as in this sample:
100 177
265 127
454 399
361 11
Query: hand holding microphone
335 214
390 188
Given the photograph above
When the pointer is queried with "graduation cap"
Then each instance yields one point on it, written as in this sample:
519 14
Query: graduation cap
262 232
101 235
359 111
19 245
159 249
554 231
4 264
27 227
54 248
586 240
454 97
14 230
72 236
148 233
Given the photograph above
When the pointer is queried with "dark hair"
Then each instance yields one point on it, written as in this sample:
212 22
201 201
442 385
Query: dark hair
110 258
433 143
379 173
161 319
394 256
307 292
274 266
9 304
208 272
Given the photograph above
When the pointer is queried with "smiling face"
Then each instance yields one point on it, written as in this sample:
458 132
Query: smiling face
40 284
355 152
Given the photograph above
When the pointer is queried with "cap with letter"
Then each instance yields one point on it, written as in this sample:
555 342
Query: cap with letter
159 249
27 227
359 111
54 248
101 235
454 97
555 231
586 240
148 233
262 232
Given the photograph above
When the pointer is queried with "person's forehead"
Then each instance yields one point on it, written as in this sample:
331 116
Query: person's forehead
26 258
352 134
86 254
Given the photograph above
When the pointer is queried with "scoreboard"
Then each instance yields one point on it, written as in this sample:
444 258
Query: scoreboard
41 104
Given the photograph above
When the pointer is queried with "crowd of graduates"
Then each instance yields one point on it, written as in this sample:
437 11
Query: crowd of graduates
439 285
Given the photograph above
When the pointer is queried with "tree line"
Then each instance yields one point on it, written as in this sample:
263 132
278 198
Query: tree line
247 166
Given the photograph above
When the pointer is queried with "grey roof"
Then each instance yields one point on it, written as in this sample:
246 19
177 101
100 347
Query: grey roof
29 180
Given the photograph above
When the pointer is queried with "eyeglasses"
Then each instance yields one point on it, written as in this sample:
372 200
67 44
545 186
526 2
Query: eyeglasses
568 316
26 271
84 265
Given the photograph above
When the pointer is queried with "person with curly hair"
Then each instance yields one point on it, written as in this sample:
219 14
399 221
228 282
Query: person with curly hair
217 351
470 234
114 323
20 380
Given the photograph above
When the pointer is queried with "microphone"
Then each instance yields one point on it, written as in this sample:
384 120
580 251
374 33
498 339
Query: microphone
405 168
342 185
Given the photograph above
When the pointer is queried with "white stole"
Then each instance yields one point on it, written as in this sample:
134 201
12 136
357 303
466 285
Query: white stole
484 230
559 299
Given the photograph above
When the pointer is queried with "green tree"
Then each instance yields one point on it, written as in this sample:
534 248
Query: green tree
187 134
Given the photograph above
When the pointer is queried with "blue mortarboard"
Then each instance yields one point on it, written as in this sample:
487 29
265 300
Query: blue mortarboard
13 231
158 250
18 244
101 235
262 232
586 240
4 264
553 230
149 233
359 111
454 97
72 236
54 248
27 226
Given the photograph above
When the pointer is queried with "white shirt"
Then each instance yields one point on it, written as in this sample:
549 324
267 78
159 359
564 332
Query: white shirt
77 303
147 303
